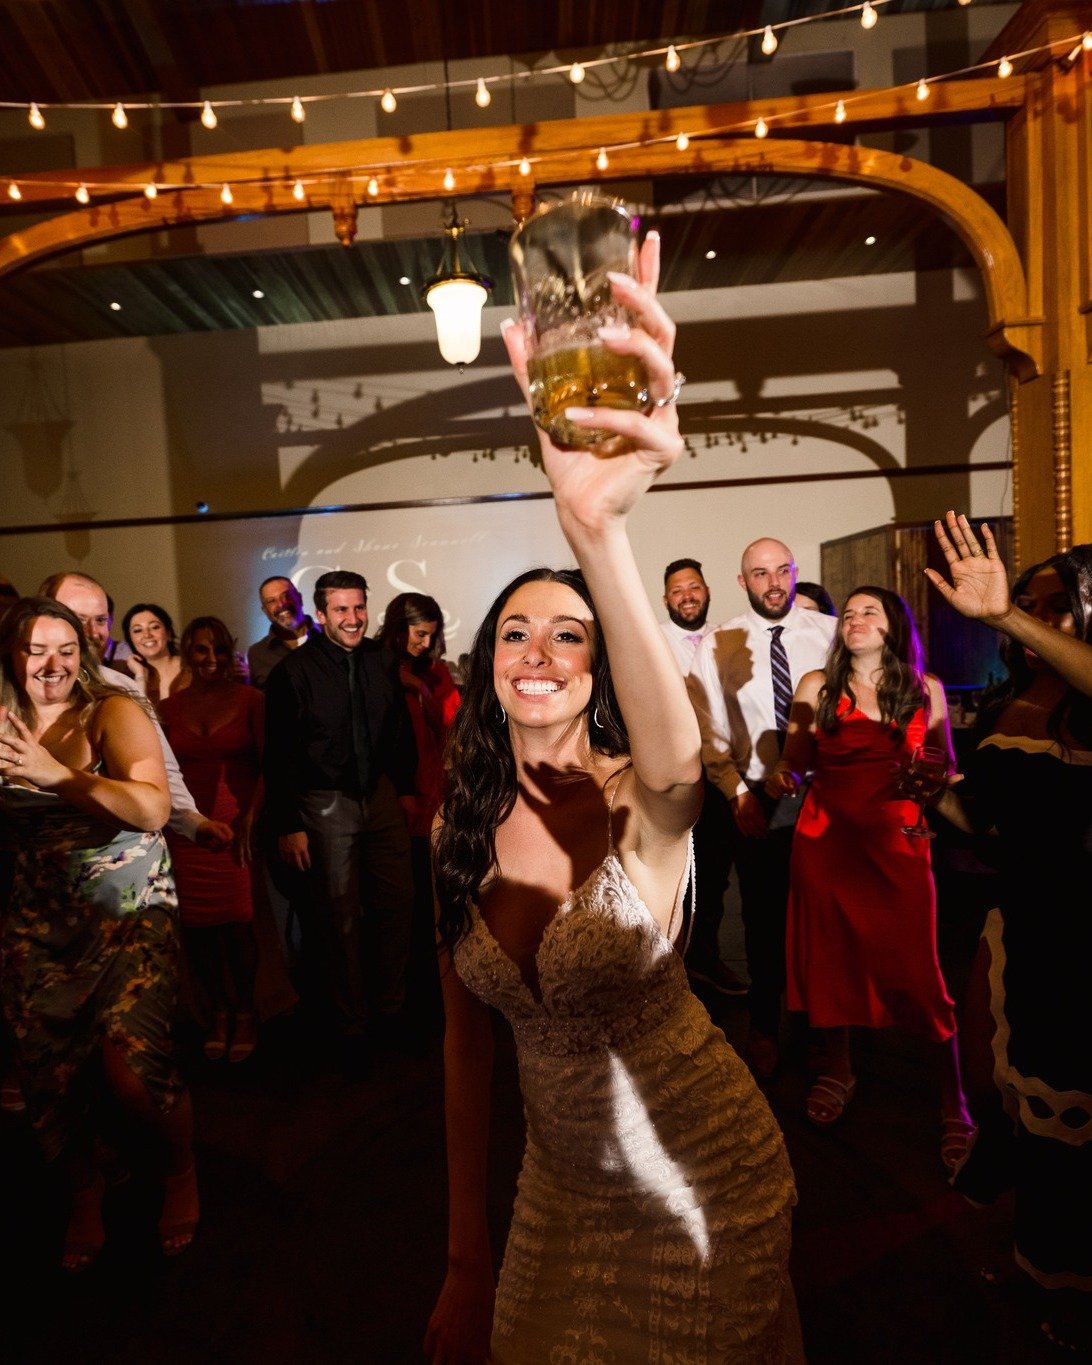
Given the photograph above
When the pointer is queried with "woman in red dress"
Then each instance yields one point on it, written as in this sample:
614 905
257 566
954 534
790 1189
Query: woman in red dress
861 938
413 629
215 727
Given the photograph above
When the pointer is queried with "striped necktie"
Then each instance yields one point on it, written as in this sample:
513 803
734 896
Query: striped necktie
782 681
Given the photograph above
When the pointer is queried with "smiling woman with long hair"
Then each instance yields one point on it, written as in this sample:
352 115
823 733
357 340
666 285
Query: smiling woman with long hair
157 665
652 1217
89 968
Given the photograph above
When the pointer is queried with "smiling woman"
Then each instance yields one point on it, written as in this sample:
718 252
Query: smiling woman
89 963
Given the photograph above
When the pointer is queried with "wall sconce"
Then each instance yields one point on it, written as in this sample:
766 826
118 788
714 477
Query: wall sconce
456 296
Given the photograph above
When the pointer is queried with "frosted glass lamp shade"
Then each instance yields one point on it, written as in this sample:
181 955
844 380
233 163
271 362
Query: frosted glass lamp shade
457 303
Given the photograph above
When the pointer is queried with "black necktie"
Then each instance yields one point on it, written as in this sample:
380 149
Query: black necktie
782 681
362 744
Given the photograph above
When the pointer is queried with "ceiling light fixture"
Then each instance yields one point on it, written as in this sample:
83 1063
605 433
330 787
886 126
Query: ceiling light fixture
115 307
672 61
482 98
761 128
14 192
299 113
226 196
298 192
682 142
769 41
602 161
388 103
923 89
83 194
208 116
868 15
449 180
840 112
151 189
35 118
456 296
257 293
1004 68
119 118
576 73
524 167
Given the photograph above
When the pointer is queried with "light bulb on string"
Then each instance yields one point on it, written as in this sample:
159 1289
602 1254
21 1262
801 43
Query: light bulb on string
923 89
576 73
1086 41
119 118
14 192
769 41
840 112
868 15
1004 68
761 128
482 98
388 103
525 167
682 142
601 160
151 189
449 179
35 119
373 187
298 192
964 2
208 116
83 194
672 61
298 112
226 196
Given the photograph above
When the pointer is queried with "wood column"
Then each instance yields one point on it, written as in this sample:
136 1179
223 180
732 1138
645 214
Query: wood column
1049 184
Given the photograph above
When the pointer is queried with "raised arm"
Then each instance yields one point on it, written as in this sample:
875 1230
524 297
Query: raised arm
594 492
980 589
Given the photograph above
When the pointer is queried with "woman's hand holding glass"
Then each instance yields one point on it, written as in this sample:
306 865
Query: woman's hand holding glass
600 485
923 779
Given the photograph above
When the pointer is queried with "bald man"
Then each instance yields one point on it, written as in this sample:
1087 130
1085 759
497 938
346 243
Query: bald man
87 599
733 690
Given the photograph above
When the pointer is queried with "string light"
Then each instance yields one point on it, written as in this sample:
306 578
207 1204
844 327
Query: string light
868 15
964 2
151 189
1004 68
923 89
449 179
226 196
601 160
298 192
840 112
373 186
299 113
682 142
525 167
119 118
672 61
1086 41
14 192
208 116
83 194
576 73
769 41
482 98
761 128
35 119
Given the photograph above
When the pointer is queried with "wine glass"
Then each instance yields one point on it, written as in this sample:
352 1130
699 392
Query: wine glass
924 777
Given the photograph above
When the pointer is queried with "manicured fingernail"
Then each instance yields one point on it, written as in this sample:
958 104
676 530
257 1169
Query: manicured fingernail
652 235
614 331
617 277
506 323
577 414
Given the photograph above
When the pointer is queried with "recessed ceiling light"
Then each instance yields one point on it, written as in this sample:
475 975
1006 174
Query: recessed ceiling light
258 293
710 255
404 279
870 240
116 306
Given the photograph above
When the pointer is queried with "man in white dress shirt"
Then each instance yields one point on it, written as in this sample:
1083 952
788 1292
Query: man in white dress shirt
686 597
87 599
742 718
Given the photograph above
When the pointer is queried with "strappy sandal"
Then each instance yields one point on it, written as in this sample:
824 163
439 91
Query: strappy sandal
181 1209
85 1235
827 1099
216 1044
956 1136
244 1038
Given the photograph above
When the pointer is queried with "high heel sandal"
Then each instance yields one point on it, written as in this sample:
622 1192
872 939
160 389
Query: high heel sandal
216 1044
827 1099
181 1210
956 1137
244 1039
85 1235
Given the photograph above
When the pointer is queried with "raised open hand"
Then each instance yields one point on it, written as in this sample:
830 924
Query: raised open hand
980 584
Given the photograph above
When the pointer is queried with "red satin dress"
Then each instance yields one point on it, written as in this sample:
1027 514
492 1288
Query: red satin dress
861 934
221 770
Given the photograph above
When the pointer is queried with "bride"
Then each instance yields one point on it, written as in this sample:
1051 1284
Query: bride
652 1218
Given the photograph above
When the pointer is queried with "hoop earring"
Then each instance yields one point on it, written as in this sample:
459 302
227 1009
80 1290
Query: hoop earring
83 677
502 719
595 717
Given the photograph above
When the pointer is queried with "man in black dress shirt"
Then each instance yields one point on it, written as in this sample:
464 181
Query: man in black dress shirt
340 761
289 627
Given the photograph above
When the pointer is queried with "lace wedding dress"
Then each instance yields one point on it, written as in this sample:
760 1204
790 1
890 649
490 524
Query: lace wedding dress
652 1218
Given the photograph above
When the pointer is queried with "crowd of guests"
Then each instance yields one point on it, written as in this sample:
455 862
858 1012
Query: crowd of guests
154 783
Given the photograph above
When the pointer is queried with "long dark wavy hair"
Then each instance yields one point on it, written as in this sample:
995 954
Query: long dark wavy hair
1073 713
902 688
481 768
162 615
413 609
